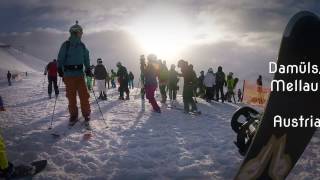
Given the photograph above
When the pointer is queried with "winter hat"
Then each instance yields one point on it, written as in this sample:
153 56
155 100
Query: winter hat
76 28
210 70
118 64
99 61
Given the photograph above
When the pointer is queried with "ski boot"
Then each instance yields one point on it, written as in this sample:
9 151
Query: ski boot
87 122
73 120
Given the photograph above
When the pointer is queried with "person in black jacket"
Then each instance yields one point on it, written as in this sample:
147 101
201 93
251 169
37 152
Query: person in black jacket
100 75
189 83
123 78
9 78
220 82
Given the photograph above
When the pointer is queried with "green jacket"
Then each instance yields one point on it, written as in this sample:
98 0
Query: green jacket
76 54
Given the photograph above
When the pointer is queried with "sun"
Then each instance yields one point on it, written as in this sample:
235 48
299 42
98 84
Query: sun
163 33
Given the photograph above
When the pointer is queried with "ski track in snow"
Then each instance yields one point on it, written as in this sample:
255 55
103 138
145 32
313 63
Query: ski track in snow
139 144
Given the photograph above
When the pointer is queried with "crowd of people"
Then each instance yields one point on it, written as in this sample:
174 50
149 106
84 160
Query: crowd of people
79 77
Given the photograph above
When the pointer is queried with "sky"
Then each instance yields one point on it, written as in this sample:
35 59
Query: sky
241 36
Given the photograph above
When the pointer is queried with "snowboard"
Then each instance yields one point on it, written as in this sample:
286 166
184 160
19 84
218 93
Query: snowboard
28 171
275 150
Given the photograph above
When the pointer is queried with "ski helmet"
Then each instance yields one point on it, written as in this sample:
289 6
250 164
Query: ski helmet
76 28
99 61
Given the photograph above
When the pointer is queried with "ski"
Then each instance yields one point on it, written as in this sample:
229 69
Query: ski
275 150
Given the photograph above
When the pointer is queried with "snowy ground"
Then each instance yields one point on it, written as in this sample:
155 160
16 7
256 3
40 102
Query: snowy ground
138 144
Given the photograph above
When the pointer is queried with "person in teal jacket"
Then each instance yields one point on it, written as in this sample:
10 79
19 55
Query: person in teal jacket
73 64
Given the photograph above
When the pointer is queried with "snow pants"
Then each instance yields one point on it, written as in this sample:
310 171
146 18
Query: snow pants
209 93
188 98
163 93
52 80
173 93
3 156
101 85
219 88
76 85
150 89
124 88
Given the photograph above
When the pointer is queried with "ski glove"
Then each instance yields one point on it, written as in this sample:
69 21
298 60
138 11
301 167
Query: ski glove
60 72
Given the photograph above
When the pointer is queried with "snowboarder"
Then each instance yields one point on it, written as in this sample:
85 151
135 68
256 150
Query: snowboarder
73 57
100 74
131 78
9 78
142 79
123 78
172 83
220 82
163 81
151 84
209 82
51 70
188 86
201 87
113 77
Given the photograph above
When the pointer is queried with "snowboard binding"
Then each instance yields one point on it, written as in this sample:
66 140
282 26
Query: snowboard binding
245 129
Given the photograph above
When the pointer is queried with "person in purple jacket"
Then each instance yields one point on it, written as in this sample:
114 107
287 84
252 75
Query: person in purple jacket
151 84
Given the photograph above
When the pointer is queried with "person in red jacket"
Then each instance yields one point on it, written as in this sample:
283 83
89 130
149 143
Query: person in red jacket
52 71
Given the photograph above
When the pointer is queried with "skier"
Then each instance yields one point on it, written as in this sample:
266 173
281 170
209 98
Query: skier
100 75
113 76
163 81
123 78
220 82
230 83
150 75
172 83
52 70
6 168
209 82
259 89
201 86
9 78
89 79
188 86
142 79
131 78
72 58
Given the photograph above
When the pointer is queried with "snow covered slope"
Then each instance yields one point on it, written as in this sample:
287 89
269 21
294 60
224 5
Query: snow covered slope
138 144
16 61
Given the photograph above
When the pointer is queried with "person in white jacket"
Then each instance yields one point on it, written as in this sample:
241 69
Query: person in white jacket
209 82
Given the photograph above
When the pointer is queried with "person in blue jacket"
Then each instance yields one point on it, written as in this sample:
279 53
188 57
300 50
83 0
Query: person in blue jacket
73 64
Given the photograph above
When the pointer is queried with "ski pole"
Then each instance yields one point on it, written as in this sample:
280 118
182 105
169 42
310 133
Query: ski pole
54 107
94 95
